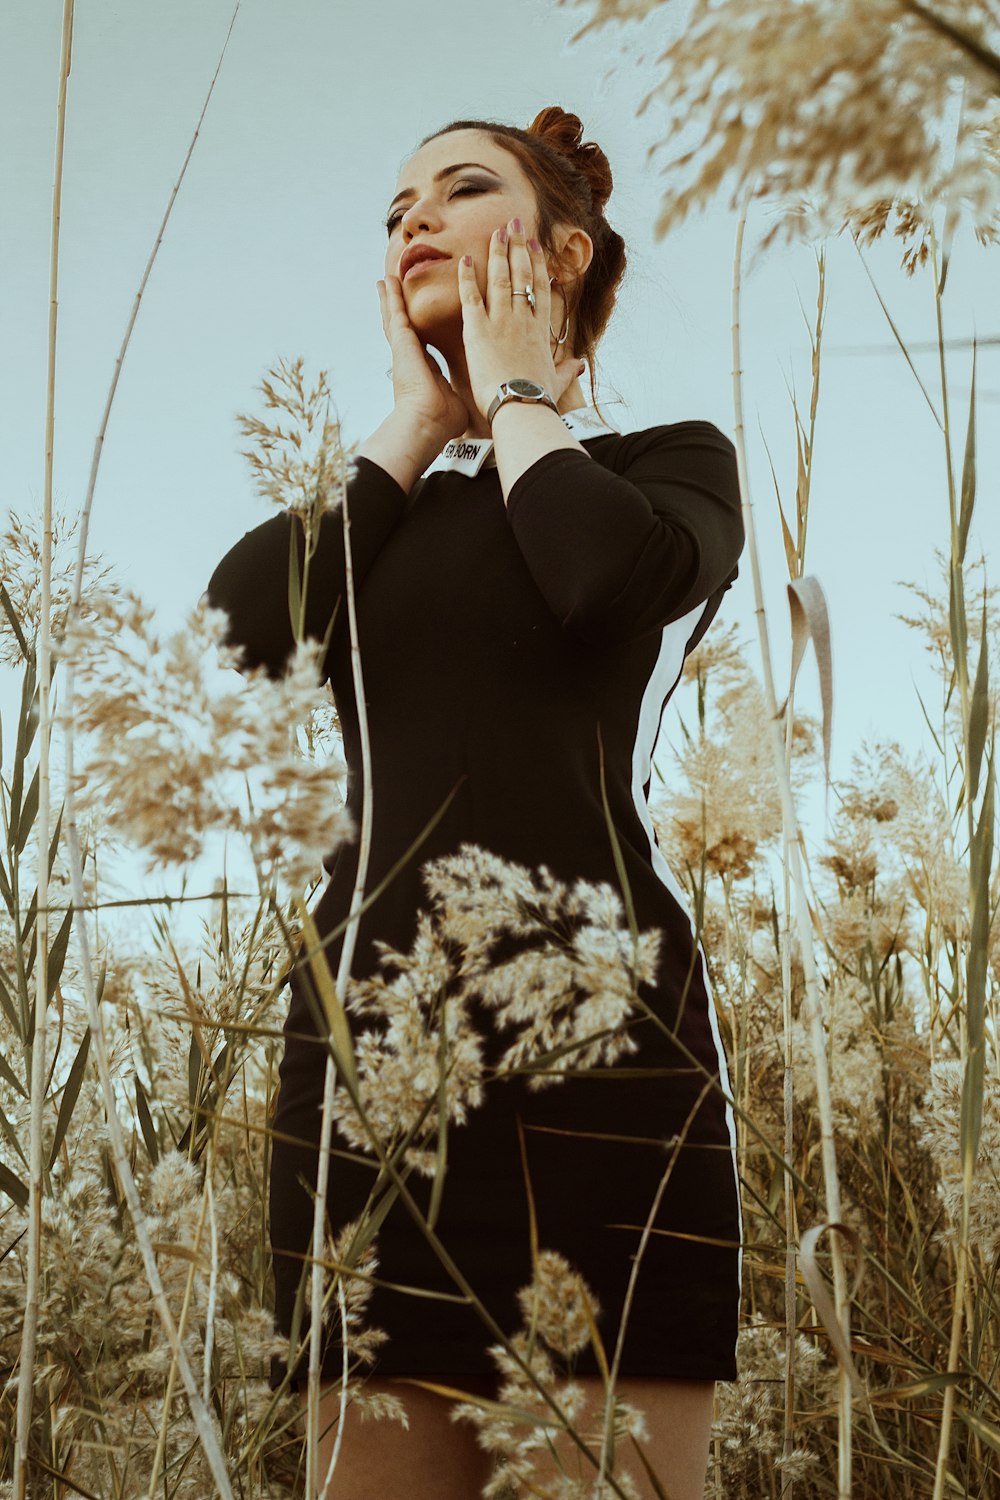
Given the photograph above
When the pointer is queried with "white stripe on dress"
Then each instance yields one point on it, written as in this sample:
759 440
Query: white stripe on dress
663 679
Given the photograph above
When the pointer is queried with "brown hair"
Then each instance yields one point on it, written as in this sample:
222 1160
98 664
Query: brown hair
572 183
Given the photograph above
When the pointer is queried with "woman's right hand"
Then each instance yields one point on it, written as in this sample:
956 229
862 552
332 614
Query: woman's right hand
419 388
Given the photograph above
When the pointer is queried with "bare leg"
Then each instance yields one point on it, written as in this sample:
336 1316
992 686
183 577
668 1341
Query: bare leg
382 1460
679 1419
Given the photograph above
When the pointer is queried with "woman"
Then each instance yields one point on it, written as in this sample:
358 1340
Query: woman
526 597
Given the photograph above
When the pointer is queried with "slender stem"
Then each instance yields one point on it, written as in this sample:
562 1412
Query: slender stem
343 975
343 972
959 648
792 838
161 1442
29 1331
345 1366
788 1098
609 1402
960 39
802 490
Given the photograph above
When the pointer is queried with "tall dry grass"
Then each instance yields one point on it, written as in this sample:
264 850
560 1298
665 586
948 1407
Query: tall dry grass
135 1280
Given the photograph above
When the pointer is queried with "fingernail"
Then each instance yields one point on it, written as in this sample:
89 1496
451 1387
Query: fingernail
534 245
517 226
502 236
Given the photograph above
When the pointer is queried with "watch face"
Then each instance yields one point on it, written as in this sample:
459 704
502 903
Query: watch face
522 387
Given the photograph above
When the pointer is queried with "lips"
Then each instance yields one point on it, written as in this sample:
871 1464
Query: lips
421 255
421 265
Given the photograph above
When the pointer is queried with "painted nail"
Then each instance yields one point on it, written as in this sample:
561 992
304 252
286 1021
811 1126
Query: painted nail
517 226
502 236
534 245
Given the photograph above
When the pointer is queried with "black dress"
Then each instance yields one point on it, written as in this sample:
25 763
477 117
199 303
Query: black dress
495 641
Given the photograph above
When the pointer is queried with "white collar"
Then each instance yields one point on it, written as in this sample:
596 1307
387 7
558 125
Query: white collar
469 455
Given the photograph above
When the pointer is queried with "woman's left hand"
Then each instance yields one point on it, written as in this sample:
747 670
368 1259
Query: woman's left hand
503 337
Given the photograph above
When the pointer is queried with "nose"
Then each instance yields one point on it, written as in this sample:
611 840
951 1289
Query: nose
419 216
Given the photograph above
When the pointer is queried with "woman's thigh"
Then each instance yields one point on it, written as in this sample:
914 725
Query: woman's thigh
679 1422
382 1460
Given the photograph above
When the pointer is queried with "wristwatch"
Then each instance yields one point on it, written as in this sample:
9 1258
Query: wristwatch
519 390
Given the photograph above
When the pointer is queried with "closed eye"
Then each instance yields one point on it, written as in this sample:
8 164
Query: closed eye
462 190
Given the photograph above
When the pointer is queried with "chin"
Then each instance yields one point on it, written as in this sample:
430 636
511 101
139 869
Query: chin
434 315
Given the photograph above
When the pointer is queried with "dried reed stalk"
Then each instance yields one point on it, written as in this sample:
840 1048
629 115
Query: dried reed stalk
795 555
792 838
974 706
39 1064
329 1079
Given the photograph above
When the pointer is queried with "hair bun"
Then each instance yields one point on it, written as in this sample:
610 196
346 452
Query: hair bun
564 131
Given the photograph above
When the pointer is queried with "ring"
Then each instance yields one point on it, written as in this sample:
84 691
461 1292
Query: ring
527 293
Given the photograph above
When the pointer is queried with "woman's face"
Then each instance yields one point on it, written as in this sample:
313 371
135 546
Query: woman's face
456 212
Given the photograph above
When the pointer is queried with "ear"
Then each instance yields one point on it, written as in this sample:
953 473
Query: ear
574 252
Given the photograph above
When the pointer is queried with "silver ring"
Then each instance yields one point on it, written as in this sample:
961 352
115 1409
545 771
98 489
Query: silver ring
527 293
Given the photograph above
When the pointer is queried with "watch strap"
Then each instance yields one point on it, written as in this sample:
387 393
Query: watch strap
505 394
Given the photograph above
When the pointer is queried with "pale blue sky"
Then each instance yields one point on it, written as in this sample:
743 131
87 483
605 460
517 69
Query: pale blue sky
276 242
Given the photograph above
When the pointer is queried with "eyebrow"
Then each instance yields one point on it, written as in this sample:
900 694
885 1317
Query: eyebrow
446 172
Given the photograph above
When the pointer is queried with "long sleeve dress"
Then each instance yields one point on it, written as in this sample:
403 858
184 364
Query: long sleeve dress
497 642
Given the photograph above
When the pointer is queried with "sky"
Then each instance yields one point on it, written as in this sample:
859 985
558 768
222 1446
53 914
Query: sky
276 241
